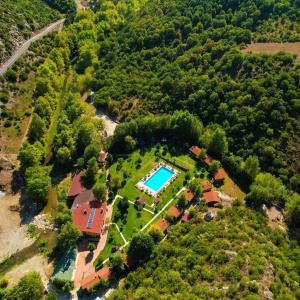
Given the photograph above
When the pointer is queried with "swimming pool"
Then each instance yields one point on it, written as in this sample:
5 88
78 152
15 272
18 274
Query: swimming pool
157 179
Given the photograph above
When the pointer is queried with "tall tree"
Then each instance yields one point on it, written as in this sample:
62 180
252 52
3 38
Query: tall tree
267 189
218 144
38 183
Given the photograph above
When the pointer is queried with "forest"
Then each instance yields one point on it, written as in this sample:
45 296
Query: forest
173 70
186 55
235 257
19 19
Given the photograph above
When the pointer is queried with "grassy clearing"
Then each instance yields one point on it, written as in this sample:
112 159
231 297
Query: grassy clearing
133 222
114 241
127 167
273 48
232 189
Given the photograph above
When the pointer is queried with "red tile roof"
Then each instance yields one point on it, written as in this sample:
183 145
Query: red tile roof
102 156
195 150
106 273
88 214
185 217
208 160
76 186
219 175
206 186
188 195
211 197
162 224
174 212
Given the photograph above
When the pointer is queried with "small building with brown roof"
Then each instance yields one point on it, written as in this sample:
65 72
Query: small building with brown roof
189 195
174 212
102 156
140 201
206 186
219 175
211 198
77 186
195 150
162 224
106 274
208 160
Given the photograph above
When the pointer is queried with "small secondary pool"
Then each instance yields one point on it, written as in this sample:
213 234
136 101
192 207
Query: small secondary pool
159 178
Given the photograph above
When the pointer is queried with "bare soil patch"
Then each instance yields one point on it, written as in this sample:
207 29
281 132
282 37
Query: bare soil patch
37 263
13 236
273 48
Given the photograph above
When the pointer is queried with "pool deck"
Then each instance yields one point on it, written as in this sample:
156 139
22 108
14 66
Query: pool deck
142 184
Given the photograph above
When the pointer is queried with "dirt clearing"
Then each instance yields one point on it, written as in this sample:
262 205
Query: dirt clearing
273 48
13 237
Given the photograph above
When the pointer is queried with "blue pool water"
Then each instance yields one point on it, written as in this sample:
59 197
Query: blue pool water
158 179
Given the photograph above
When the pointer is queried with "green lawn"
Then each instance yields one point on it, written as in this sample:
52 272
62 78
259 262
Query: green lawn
128 168
114 242
135 220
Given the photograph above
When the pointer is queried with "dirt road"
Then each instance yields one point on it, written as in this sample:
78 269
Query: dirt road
22 49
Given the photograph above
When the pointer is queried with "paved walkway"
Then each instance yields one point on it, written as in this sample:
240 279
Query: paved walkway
121 234
163 209
149 211
85 260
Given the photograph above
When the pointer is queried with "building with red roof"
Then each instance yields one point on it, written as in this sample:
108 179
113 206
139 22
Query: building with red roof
208 160
77 186
185 217
174 212
211 198
195 150
219 175
88 214
206 186
162 224
106 274
189 195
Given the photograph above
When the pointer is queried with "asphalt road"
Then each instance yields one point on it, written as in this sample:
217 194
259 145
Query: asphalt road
24 47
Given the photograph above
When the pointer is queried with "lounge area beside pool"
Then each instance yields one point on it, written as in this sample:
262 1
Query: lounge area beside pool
157 179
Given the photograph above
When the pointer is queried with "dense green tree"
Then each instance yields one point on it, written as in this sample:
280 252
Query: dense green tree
267 189
38 183
251 166
68 236
293 210
91 172
182 201
31 154
100 191
63 156
117 262
218 144
141 246
37 128
29 287
214 166
84 135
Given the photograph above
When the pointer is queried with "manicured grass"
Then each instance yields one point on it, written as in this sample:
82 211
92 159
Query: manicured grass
114 241
149 159
133 222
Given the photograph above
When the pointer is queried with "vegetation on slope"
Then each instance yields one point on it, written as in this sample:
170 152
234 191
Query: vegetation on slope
236 256
19 19
186 55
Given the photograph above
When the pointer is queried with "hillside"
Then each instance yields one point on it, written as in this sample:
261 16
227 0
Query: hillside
236 256
187 55
19 19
